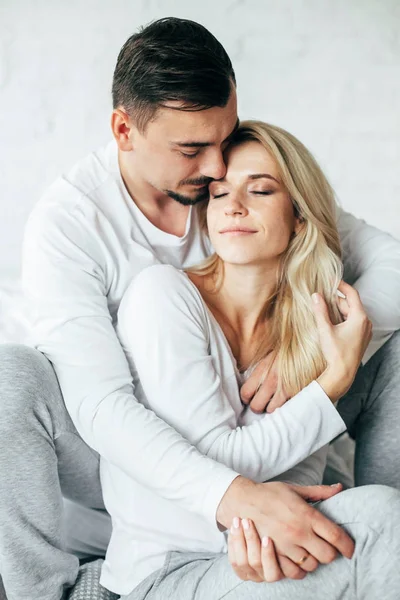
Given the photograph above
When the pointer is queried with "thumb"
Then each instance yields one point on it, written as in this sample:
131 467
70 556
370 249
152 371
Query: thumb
314 493
321 312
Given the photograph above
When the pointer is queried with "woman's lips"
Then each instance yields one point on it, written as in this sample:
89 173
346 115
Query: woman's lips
237 231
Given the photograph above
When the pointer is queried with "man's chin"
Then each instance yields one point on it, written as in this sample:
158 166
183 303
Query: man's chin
189 200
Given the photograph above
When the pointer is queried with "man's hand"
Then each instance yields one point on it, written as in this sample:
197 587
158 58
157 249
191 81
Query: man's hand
280 512
260 390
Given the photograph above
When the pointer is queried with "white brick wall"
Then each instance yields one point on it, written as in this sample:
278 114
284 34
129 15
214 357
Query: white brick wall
327 70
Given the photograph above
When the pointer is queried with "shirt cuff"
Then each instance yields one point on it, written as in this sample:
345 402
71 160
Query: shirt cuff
220 480
336 423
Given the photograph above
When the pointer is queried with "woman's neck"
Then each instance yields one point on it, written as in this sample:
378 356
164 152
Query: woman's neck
241 305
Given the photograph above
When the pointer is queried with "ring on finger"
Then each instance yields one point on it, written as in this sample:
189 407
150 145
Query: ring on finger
302 560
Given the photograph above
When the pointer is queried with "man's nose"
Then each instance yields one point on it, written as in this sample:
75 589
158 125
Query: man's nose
214 167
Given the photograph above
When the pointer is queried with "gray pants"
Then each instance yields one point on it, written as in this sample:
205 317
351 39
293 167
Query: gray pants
42 459
371 515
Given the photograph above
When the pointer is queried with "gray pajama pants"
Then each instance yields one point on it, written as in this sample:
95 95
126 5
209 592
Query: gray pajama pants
42 459
371 516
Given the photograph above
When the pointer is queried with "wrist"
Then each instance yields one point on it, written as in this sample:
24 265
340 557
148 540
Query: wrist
237 493
335 382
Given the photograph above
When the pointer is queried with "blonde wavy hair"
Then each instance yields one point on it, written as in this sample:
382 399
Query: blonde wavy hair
311 262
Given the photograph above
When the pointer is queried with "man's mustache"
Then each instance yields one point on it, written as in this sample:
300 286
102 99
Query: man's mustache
198 181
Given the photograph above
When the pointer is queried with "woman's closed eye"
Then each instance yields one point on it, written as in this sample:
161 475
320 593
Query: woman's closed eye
262 192
255 192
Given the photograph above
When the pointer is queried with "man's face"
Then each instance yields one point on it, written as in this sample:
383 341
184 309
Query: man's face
180 152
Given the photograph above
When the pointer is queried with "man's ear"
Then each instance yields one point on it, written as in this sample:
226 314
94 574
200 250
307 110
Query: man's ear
122 128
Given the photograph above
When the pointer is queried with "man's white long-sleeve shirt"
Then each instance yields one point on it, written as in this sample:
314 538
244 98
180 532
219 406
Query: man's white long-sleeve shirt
84 243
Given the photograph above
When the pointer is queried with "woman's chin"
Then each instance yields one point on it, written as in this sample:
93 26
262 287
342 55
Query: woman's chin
236 258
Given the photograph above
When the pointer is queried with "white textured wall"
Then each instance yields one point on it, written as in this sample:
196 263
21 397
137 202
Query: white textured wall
327 70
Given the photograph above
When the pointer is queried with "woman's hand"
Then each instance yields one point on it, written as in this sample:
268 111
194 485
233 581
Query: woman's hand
251 559
343 345
256 560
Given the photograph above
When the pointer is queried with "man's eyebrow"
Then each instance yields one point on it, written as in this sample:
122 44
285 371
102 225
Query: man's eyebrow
205 144
252 176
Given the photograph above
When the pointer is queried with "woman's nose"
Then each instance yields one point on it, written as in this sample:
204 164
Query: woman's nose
235 207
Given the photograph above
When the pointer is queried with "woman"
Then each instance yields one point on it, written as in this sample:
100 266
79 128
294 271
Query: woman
192 337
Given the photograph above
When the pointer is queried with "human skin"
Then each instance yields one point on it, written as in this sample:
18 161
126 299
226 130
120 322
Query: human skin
155 163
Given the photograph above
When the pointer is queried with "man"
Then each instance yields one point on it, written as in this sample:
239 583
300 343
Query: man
124 208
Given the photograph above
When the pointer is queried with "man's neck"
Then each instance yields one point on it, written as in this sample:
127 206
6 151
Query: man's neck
162 211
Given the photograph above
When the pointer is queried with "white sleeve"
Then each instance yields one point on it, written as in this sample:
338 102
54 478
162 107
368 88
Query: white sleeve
63 278
164 331
308 472
372 265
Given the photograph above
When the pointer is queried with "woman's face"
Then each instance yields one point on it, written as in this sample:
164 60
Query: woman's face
250 215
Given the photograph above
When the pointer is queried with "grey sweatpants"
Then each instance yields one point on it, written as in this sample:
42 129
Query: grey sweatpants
371 515
42 459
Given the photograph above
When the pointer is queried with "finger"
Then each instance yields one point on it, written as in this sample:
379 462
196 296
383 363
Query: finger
237 551
343 307
277 400
250 387
270 565
264 395
319 550
310 564
321 314
352 296
289 568
333 534
315 493
253 544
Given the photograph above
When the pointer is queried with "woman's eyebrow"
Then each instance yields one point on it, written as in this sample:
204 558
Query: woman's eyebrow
252 176
263 176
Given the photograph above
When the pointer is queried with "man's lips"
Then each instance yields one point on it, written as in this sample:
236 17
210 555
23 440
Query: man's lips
238 230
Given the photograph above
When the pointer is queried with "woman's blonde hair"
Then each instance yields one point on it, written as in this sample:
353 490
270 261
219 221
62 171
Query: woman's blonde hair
311 263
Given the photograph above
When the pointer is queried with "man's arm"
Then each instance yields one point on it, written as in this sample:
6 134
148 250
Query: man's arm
372 265
64 279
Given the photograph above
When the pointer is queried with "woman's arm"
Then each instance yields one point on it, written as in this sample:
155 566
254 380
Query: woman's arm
309 472
163 328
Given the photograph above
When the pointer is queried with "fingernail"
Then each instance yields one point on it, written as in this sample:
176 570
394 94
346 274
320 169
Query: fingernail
315 298
335 485
236 523
265 541
245 523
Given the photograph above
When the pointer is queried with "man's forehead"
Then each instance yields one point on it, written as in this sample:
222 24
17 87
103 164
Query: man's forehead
204 127
202 135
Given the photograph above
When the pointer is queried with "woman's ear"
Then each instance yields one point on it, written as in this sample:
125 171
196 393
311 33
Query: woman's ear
299 224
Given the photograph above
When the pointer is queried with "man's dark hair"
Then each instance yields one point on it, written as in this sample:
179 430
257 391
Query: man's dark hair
171 60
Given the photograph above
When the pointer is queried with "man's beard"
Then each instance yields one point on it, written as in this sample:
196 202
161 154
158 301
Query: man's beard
188 200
